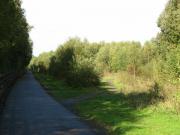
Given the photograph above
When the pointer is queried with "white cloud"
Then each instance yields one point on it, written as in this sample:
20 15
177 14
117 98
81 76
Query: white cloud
55 21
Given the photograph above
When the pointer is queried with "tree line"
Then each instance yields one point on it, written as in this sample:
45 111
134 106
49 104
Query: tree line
15 44
80 62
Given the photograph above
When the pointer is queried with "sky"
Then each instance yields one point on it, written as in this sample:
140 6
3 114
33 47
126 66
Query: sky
55 21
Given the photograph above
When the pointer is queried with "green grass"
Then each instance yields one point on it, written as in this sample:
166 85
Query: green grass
129 113
125 82
120 118
121 113
60 90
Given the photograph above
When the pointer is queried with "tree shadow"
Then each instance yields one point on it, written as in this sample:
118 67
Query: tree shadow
118 112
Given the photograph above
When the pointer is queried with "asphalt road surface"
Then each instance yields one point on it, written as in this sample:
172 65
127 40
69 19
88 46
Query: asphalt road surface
30 110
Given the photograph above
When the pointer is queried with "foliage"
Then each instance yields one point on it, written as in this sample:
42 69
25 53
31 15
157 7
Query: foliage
169 22
15 45
143 96
103 59
82 63
118 56
71 62
43 62
168 41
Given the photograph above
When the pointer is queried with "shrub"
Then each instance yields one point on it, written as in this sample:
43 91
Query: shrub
83 76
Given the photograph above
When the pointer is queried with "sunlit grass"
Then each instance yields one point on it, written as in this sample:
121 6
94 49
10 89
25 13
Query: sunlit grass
126 83
130 110
119 118
121 110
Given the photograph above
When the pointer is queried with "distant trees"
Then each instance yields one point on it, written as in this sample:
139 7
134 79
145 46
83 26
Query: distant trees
15 45
73 62
118 56
80 62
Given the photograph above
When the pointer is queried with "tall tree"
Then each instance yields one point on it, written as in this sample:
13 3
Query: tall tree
15 45
168 40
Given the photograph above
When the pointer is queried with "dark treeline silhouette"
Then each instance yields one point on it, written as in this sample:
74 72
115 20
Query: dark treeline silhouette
15 45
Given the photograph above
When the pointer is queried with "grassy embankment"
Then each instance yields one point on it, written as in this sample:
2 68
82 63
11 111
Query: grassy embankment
128 107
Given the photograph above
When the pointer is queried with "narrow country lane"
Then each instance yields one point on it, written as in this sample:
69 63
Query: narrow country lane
31 111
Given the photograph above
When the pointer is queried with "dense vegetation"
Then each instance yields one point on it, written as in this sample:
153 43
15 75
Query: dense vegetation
15 45
156 64
81 63
73 62
158 58
139 84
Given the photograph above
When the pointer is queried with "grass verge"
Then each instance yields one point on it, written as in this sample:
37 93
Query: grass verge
60 90
129 112
120 118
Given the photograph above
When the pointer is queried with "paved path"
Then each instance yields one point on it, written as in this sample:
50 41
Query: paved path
31 111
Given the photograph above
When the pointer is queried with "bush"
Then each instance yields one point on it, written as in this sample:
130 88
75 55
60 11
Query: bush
83 76
72 62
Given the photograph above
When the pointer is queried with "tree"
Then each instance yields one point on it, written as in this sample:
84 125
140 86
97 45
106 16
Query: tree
168 40
15 45
149 51
134 58
169 22
103 59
